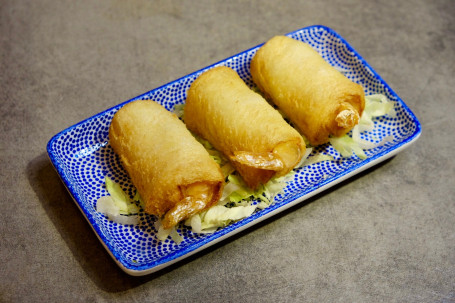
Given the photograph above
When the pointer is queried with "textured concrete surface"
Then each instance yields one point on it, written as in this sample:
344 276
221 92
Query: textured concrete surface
387 235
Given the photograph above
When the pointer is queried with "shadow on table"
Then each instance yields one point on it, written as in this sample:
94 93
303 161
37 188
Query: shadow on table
84 244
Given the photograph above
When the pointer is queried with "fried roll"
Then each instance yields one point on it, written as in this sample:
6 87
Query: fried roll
172 171
318 99
240 123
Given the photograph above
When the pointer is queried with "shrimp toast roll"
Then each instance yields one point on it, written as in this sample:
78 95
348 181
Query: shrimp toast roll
172 171
240 123
317 98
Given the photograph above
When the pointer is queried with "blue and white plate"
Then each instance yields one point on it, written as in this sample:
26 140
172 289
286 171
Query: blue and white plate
82 157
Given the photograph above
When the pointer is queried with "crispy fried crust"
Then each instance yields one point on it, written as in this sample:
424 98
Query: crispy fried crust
317 98
163 159
221 108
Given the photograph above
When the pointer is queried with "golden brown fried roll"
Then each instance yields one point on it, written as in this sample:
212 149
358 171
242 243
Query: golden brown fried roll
240 123
173 173
318 99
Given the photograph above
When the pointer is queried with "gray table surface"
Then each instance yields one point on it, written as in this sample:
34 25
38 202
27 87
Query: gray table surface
387 235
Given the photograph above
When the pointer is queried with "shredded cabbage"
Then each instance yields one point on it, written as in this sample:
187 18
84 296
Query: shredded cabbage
302 162
237 202
317 158
107 206
179 110
346 146
161 233
118 207
220 216
375 106
118 196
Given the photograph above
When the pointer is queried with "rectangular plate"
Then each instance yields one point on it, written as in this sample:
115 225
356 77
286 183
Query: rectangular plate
82 157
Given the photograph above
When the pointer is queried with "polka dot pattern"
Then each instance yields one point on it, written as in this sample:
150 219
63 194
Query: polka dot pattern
83 157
